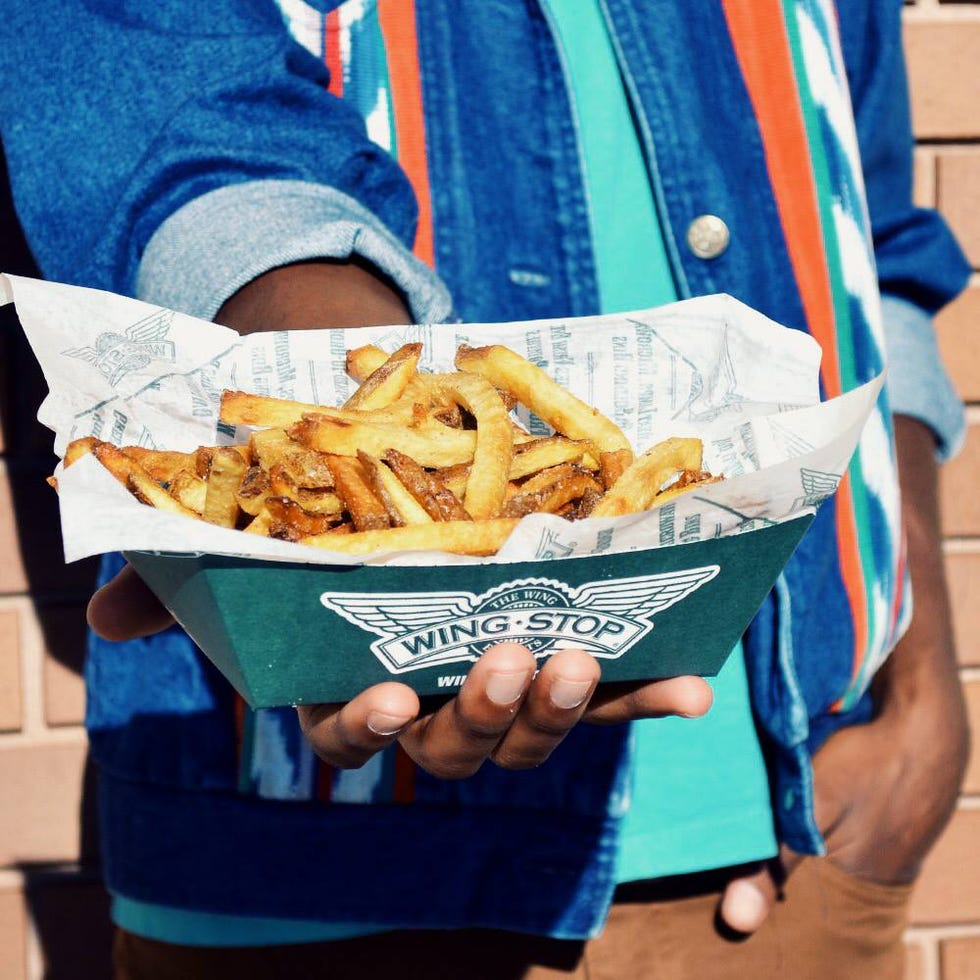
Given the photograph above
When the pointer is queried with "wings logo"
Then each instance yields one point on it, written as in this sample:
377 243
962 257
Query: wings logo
605 618
116 355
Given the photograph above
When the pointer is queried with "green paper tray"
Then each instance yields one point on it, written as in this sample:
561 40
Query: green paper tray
296 633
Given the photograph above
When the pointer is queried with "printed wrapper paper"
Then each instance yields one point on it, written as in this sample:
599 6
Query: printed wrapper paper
134 374
130 374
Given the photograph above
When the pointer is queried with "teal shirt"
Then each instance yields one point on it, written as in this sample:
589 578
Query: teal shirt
700 794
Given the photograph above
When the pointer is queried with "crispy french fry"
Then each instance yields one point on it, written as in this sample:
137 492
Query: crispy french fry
78 448
362 362
260 525
306 468
553 498
541 454
204 454
402 507
548 477
430 445
288 521
689 480
534 388
367 512
456 537
612 465
115 461
253 491
440 503
639 485
139 483
224 478
314 500
190 490
454 478
147 491
487 480
241 408
162 464
530 457
386 383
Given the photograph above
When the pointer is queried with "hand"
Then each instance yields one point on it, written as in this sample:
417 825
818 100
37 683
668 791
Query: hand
884 791
882 794
502 712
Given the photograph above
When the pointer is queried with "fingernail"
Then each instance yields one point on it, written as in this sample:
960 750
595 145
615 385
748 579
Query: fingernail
567 693
507 688
382 724
745 906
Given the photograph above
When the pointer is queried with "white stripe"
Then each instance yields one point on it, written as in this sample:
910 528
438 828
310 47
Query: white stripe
305 23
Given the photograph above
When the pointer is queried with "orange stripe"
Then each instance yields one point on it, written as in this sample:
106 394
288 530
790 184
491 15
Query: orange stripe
331 53
397 19
324 781
403 790
762 48
239 712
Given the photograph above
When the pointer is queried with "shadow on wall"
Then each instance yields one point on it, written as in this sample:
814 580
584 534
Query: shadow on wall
68 906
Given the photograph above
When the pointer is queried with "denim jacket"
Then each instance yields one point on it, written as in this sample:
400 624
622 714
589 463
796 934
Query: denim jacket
175 151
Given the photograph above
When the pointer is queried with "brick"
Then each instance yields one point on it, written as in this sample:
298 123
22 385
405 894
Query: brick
959 341
971 783
958 495
960 958
924 178
43 796
13 933
31 556
963 576
70 915
949 889
63 629
943 80
914 962
958 185
11 711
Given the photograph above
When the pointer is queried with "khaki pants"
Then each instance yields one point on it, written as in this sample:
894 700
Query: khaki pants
830 926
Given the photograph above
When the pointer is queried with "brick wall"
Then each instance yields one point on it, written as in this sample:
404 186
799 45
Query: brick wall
942 42
52 909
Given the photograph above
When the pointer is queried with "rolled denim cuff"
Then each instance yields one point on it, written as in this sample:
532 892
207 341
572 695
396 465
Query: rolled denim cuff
918 384
208 249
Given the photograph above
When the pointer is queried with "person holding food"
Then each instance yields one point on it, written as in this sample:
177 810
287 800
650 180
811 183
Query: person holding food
387 162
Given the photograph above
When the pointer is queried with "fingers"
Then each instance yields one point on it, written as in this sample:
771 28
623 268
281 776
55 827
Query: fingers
455 741
502 712
125 608
553 706
748 900
616 703
347 735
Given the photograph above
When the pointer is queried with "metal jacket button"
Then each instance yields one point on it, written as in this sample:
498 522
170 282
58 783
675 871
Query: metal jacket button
707 236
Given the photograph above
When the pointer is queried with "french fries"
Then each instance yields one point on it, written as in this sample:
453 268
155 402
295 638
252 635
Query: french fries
411 461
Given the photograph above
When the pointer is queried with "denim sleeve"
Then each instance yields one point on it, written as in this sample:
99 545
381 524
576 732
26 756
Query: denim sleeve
918 384
917 257
116 114
215 244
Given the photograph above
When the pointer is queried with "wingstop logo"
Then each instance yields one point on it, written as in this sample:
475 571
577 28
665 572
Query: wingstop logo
428 629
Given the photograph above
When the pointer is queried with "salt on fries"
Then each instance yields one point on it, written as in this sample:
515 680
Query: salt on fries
411 461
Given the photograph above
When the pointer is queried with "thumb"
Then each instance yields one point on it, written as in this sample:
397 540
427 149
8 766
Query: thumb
748 899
